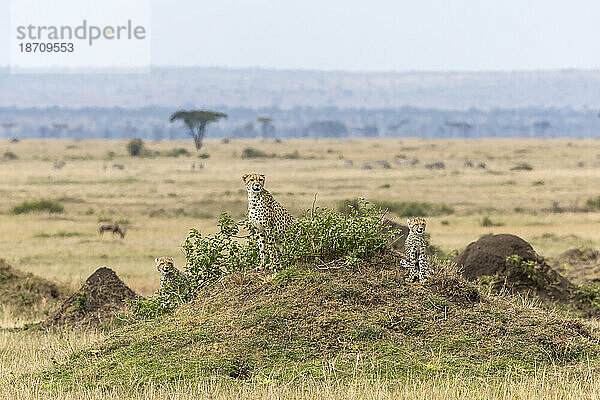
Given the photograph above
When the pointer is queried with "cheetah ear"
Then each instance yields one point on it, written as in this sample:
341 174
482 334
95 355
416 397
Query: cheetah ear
245 176
156 260
408 221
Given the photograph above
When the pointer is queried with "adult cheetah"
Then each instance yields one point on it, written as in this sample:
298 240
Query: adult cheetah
270 219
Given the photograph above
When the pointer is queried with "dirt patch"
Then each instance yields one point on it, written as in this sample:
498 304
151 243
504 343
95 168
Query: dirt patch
579 265
487 256
95 303
25 293
507 261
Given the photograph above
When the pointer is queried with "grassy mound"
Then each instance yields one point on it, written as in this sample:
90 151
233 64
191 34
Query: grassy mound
341 321
26 295
579 265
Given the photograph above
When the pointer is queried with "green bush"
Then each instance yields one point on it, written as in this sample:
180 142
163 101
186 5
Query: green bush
487 221
208 258
320 236
9 155
149 308
593 203
522 167
50 206
59 234
589 294
250 152
120 221
182 290
556 208
135 147
325 235
415 209
180 151
530 268
292 156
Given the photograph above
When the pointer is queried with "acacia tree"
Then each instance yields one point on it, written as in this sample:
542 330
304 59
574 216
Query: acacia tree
540 128
464 127
59 129
265 124
8 126
196 121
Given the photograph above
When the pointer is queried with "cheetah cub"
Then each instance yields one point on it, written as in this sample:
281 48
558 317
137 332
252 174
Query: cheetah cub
270 219
173 282
415 250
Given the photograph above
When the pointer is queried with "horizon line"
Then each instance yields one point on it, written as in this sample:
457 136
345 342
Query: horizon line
343 71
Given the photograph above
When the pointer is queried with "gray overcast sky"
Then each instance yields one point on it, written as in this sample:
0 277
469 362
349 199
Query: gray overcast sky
374 35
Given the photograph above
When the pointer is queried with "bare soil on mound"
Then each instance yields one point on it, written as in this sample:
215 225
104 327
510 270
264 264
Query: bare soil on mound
579 265
95 303
25 293
487 256
507 261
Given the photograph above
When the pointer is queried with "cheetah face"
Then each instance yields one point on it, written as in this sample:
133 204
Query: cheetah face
164 264
254 182
417 225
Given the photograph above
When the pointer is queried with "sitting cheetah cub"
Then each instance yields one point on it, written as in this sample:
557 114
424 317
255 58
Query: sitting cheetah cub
415 250
173 282
270 219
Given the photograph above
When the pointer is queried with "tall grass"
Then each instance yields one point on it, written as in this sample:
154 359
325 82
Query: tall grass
540 384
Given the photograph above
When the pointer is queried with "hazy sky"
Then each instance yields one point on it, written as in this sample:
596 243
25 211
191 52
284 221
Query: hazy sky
373 35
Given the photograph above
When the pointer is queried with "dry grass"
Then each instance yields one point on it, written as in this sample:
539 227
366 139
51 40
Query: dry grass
162 198
24 352
543 384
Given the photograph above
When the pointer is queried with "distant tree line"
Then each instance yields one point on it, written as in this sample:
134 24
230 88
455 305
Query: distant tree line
160 123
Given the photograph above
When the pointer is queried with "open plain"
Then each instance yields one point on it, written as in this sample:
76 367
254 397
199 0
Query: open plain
545 191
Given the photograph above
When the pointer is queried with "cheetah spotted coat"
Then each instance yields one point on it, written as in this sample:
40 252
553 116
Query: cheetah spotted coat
270 219
415 250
